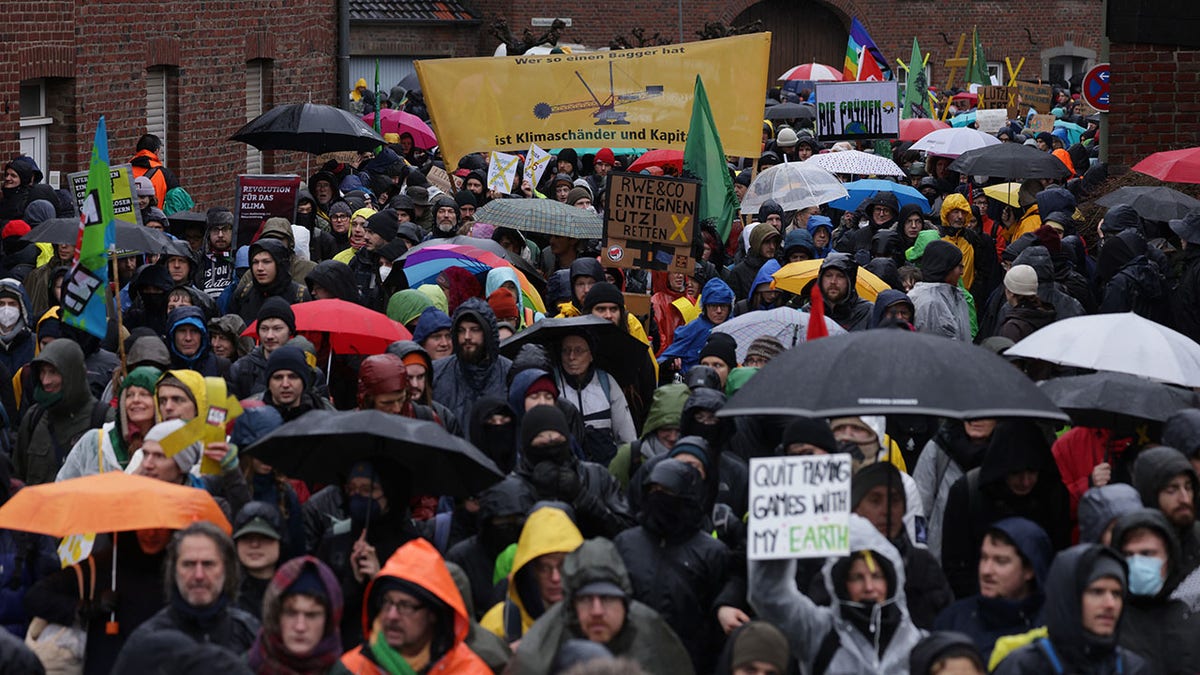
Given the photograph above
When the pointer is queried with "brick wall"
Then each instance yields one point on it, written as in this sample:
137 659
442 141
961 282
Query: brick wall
98 53
433 39
1155 93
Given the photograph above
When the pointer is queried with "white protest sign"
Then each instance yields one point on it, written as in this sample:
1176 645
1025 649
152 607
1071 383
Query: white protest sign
502 171
990 121
537 161
799 507
852 111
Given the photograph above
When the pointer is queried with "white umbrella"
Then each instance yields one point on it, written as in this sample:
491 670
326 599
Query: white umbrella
788 325
954 142
794 185
1120 343
857 162
816 72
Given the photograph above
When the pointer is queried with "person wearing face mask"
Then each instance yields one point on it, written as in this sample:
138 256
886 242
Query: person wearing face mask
148 293
1155 624
501 515
675 567
493 429
16 335
354 526
549 466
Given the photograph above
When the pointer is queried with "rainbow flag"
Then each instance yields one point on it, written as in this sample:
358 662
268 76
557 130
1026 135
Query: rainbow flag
86 287
863 61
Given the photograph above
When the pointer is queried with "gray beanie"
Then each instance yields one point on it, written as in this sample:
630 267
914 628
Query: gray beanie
187 457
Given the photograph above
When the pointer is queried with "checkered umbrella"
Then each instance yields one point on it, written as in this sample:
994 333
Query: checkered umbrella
858 163
548 216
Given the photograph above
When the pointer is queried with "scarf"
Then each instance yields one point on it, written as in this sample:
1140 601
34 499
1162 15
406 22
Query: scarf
268 656
392 661
120 449
205 618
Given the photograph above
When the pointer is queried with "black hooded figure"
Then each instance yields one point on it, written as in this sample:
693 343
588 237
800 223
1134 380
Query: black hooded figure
502 511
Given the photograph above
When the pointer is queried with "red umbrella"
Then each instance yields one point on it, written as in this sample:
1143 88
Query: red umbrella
815 72
659 158
399 122
1175 166
917 128
352 328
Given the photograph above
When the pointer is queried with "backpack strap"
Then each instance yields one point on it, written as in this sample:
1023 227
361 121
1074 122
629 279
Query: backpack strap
441 530
512 621
829 647
1047 649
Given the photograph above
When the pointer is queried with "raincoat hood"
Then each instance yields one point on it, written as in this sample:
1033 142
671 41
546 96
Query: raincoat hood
1100 506
1120 217
1038 257
403 348
520 384
1064 587
193 382
929 650
768 208
14 288
865 537
419 564
594 560
1032 542
761 234
666 408
1055 199
281 254
499 275
407 305
716 292
766 275
510 497
799 239
547 530
67 358
1155 467
478 311
1182 431
187 316
955 201
335 277
432 320
1016 445
884 300
844 264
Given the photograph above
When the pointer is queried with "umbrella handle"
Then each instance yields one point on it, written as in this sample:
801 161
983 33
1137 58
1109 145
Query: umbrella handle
112 626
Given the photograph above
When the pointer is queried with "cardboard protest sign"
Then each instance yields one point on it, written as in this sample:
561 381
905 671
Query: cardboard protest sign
438 178
857 110
1040 123
621 98
990 121
537 161
799 507
124 205
1036 96
502 171
650 222
261 197
996 98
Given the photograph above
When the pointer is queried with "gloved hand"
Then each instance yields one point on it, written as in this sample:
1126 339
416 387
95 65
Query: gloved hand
101 607
554 480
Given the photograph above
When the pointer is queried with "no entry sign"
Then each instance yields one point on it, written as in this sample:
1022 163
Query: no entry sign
1095 87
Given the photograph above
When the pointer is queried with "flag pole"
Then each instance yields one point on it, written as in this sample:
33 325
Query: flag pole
114 286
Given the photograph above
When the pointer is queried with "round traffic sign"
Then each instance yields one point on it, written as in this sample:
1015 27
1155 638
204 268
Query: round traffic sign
1095 87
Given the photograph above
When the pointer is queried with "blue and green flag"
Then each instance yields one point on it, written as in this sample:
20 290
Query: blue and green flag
85 290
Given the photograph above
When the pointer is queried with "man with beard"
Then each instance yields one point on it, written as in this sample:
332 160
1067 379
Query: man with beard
476 369
215 271
1167 481
838 275
202 581
445 218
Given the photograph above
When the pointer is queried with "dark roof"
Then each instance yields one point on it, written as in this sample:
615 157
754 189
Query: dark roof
410 10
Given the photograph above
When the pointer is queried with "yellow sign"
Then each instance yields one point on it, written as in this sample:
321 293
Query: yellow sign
628 98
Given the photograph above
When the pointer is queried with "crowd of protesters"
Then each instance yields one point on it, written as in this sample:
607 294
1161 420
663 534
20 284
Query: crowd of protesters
617 540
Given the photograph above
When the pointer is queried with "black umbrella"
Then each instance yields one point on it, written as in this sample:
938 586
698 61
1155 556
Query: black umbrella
1010 160
130 237
789 111
1152 203
1097 399
323 444
617 352
891 372
308 127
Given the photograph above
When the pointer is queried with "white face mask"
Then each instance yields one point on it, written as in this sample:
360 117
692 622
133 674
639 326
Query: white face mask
384 271
9 316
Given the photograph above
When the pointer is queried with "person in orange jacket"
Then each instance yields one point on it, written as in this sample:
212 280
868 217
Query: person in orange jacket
415 619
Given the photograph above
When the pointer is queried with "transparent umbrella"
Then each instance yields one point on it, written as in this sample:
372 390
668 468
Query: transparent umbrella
794 186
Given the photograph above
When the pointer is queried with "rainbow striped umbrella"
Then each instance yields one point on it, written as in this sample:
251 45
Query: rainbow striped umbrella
423 266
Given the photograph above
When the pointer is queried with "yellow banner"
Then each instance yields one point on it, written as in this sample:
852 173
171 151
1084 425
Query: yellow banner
629 98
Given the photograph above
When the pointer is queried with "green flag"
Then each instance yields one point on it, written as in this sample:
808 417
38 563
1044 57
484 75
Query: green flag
977 72
916 88
704 158
85 289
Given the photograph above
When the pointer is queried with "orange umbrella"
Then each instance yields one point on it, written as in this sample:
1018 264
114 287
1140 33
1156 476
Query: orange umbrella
108 502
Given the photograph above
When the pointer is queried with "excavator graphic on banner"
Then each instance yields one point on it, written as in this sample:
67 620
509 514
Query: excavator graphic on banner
605 111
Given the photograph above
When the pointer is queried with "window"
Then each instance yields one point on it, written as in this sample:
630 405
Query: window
255 98
34 123
156 107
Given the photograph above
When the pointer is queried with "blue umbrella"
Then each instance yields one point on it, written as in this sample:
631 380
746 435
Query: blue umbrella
860 190
963 119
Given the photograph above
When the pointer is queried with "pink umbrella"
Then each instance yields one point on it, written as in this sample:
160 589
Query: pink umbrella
399 122
919 127
816 72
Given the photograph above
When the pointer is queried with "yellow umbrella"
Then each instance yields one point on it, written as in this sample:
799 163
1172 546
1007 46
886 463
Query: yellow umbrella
1005 193
793 277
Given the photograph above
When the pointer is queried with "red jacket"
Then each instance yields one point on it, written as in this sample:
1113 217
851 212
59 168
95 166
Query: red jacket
1078 451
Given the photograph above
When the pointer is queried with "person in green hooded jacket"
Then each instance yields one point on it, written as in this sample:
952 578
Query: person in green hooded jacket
658 434
110 447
